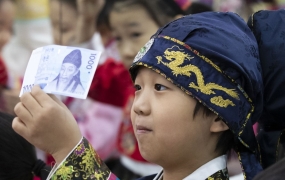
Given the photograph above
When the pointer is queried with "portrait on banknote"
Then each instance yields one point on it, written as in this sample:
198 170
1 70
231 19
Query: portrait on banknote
68 78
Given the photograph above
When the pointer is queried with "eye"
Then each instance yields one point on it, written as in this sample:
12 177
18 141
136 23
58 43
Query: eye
159 87
137 87
135 35
117 38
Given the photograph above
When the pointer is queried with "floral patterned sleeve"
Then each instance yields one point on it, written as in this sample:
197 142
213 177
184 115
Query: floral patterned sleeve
83 163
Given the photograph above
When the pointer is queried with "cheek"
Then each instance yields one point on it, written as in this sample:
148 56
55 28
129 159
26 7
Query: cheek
141 41
133 114
127 62
175 121
176 136
4 37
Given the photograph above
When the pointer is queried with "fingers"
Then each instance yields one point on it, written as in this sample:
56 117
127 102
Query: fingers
19 127
22 112
30 103
39 114
42 99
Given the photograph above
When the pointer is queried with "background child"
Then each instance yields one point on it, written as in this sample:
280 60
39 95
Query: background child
181 59
7 13
31 29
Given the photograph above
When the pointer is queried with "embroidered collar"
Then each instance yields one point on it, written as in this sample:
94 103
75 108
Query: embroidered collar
205 170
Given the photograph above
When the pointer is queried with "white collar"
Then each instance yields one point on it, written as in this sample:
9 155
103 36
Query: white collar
205 170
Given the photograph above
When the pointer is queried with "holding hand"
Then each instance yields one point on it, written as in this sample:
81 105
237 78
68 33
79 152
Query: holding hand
46 123
89 9
88 12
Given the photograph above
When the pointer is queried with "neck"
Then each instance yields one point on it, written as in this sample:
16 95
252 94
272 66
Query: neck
183 169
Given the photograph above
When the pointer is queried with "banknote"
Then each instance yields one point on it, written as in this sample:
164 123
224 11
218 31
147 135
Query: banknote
61 70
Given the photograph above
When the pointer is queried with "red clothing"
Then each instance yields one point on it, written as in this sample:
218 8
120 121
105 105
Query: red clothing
112 84
3 73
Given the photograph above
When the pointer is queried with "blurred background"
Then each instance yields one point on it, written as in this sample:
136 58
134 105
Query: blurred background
102 25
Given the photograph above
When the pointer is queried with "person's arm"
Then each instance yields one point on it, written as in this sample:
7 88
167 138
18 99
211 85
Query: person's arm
82 163
46 123
88 11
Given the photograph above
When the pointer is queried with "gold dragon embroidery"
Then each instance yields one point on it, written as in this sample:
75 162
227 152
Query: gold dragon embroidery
83 163
65 172
176 56
99 176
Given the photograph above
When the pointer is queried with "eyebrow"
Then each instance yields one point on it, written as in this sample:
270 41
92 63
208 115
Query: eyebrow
131 24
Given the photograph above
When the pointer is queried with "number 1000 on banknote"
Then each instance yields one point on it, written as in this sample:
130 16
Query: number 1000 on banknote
61 70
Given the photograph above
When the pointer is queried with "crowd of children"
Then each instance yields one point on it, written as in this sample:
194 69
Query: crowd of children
175 96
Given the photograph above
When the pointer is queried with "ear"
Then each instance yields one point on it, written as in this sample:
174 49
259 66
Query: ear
218 125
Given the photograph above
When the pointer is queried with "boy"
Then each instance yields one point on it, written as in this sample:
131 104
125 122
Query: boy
198 89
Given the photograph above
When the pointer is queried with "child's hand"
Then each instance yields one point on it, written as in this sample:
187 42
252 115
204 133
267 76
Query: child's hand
46 123
89 9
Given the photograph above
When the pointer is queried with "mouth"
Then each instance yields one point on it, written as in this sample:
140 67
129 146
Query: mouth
142 129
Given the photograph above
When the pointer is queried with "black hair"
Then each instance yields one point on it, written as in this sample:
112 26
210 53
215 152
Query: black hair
104 13
226 139
17 156
160 10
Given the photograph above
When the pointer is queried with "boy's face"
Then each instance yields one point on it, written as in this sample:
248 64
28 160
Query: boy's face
7 13
63 26
132 27
163 122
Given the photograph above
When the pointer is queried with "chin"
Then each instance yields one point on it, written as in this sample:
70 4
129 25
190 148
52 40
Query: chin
148 154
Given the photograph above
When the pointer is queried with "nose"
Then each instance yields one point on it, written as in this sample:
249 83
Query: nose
141 104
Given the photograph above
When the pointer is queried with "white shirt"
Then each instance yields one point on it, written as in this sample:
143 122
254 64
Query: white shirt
205 170
140 168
